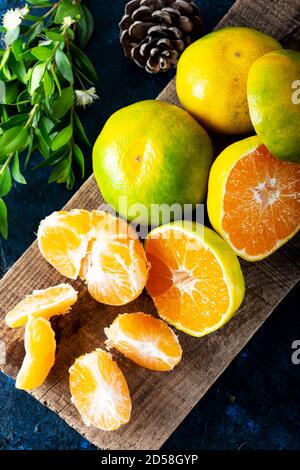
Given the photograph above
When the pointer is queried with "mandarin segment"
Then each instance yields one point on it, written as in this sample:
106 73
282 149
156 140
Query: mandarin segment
195 279
254 199
145 340
63 239
40 349
46 303
99 391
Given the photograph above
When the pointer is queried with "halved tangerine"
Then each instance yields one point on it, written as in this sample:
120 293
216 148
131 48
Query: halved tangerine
146 340
99 391
195 279
46 303
254 199
40 348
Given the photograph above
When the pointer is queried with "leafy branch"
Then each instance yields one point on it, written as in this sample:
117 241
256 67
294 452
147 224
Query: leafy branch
44 75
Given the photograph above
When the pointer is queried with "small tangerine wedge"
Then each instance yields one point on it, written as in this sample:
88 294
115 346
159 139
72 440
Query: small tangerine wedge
99 391
46 303
63 239
40 348
254 199
102 249
117 268
195 279
147 341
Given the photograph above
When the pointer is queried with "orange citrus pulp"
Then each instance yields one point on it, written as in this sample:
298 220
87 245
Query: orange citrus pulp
99 391
147 341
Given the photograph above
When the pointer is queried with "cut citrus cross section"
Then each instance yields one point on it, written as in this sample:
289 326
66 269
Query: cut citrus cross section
40 354
147 341
99 391
100 248
195 279
254 199
46 303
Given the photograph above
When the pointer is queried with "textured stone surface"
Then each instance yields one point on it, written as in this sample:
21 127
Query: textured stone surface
255 403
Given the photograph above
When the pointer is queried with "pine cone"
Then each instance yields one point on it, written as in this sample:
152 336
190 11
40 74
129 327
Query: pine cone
154 33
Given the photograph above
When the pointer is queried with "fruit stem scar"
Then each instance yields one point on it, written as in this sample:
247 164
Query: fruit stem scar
237 54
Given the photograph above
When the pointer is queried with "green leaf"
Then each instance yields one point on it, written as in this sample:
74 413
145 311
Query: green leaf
15 170
62 138
13 139
79 129
36 77
43 3
30 147
5 180
83 62
18 48
66 10
42 144
18 68
2 92
49 84
79 159
42 52
3 220
46 126
36 31
5 58
64 66
11 92
64 103
85 26
57 82
54 158
14 121
54 36
61 172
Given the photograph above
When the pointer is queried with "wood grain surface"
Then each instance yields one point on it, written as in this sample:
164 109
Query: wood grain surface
160 400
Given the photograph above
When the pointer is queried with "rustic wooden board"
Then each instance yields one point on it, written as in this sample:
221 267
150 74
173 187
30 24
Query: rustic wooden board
160 401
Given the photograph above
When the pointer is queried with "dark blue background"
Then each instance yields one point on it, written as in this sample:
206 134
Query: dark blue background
255 404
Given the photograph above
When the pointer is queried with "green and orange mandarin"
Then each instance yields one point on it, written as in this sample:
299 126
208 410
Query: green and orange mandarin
152 153
274 102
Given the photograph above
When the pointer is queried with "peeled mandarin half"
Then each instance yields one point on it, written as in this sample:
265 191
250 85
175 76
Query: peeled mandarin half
100 248
46 303
40 348
195 279
254 199
99 391
147 341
